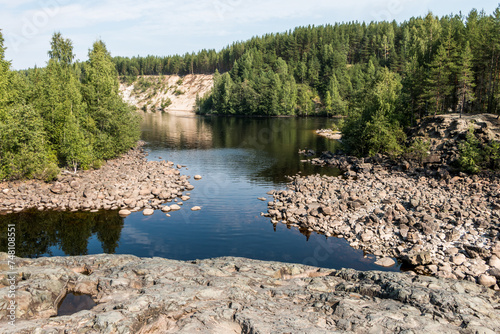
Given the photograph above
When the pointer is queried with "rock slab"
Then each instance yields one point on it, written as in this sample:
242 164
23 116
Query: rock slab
237 295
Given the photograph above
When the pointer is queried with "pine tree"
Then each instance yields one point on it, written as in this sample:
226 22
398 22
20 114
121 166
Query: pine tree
100 85
328 103
465 79
338 104
438 81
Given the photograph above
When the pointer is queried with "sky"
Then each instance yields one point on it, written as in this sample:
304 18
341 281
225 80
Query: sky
151 27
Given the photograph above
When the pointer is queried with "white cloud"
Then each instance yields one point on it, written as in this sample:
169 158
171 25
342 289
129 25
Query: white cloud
149 26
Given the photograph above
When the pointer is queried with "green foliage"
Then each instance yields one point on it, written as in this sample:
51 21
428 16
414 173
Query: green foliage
465 93
75 148
141 85
419 149
66 114
61 50
445 64
377 129
128 79
24 151
165 103
475 156
492 155
470 153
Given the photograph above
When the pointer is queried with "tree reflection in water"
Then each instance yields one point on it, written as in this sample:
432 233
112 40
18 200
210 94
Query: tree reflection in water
69 232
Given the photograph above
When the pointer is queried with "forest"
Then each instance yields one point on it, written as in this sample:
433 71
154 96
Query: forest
382 75
66 114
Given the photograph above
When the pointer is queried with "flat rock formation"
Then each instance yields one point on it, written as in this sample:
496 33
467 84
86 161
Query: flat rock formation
129 182
237 295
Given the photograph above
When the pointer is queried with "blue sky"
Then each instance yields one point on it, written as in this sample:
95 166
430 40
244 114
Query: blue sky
168 27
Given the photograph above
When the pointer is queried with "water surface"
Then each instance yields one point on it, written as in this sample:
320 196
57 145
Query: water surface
240 160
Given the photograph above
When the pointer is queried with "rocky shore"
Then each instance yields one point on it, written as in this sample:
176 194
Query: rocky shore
129 183
449 228
237 295
419 211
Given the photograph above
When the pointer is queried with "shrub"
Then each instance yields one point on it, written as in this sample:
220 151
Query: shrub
470 153
418 150
165 103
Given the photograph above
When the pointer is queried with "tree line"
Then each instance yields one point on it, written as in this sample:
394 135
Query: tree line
66 114
383 75
444 64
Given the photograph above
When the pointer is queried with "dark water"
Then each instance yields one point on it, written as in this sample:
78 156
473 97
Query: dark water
240 159
74 302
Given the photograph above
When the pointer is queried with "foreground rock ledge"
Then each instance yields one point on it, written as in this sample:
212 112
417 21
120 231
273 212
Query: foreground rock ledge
237 295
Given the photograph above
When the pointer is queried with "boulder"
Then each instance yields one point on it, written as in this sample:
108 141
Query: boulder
487 280
124 212
56 188
418 259
494 262
458 259
148 212
385 262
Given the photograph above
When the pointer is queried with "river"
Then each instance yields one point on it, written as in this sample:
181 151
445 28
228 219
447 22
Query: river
240 160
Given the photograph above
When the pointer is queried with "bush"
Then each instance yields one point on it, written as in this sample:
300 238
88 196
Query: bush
492 155
165 103
470 153
474 156
418 150
142 85
23 151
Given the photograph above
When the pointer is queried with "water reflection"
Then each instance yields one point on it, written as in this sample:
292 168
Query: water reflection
240 160
50 233
75 302
275 140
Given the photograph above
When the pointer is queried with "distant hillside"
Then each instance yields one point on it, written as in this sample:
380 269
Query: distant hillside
153 93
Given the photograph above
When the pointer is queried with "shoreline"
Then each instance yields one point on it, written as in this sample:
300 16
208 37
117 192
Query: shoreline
418 209
447 229
129 183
